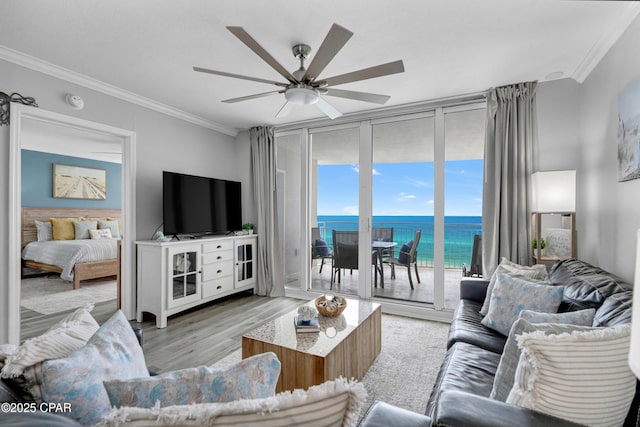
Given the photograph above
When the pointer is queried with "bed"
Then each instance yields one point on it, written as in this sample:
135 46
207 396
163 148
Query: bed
88 260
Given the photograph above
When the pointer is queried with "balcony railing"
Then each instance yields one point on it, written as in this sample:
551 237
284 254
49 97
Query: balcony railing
458 239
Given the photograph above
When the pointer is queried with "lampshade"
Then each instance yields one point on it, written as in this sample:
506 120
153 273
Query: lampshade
554 191
634 350
301 95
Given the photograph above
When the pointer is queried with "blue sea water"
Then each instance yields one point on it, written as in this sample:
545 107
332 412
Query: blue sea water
459 232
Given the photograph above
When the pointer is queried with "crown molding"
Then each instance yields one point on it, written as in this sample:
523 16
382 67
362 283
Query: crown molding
36 64
602 46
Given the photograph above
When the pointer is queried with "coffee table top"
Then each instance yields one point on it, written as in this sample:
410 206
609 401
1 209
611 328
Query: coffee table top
333 330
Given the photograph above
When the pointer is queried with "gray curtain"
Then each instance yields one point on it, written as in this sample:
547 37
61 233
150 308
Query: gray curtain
263 168
511 133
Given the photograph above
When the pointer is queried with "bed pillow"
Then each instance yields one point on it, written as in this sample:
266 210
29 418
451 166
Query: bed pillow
333 403
512 294
67 335
537 271
100 234
113 352
530 321
62 228
252 378
581 376
43 230
83 227
110 225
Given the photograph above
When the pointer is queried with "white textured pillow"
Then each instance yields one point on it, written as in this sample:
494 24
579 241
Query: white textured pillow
103 233
537 271
43 230
582 376
69 334
333 403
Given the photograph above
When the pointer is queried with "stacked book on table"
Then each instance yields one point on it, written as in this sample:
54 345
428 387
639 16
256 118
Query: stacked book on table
305 327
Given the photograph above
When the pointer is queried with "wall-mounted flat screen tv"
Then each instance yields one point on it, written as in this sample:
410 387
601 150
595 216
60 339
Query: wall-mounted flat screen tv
199 205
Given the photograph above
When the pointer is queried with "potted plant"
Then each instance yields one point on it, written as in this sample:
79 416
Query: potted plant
248 227
534 243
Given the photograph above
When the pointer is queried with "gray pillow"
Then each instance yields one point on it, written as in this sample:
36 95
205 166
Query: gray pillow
112 225
531 321
512 294
82 228
43 230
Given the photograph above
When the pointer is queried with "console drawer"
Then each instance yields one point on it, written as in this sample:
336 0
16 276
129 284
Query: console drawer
220 245
219 256
217 270
217 286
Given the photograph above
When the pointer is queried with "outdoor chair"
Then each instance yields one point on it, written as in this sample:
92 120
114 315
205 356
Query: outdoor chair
407 257
476 259
319 247
345 255
385 235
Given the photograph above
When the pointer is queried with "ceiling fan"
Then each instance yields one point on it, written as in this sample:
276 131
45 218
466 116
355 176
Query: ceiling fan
303 85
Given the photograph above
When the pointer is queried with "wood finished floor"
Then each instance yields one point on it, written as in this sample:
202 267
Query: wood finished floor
200 336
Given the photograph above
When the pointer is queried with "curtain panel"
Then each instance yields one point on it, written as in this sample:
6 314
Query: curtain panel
511 134
263 169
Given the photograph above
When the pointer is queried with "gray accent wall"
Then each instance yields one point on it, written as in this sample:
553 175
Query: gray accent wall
163 143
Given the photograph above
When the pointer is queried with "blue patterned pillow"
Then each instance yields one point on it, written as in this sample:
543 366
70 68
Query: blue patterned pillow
512 294
251 378
113 352
403 256
503 381
322 247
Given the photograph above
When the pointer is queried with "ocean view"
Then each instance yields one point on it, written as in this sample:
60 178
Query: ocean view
458 234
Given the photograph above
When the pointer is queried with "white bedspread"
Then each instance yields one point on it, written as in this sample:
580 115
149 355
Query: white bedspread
66 253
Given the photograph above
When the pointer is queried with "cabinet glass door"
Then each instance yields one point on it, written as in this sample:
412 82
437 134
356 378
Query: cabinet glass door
244 262
184 278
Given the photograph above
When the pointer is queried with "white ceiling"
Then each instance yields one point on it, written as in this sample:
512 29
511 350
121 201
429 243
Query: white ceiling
147 48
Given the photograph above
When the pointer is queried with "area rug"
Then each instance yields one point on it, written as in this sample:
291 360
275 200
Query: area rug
404 372
50 294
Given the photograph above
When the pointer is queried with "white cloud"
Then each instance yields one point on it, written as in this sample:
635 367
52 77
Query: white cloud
418 182
375 172
406 196
356 169
430 202
350 210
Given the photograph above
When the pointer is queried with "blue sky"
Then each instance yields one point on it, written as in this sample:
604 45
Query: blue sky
402 189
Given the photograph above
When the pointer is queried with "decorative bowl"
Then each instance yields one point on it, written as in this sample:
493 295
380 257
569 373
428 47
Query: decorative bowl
330 306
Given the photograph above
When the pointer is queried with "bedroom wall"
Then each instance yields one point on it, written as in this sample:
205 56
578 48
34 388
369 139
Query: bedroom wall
163 143
578 130
37 181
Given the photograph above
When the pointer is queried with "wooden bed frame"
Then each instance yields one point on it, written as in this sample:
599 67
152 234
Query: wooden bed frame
81 271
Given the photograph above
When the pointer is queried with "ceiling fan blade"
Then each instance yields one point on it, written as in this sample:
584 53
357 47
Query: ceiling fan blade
246 98
366 73
327 108
336 38
245 38
285 110
359 96
238 76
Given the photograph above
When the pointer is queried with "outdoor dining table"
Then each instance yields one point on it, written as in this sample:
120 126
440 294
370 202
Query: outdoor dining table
380 247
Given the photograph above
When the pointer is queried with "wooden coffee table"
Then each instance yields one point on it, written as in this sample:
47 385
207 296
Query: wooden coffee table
346 345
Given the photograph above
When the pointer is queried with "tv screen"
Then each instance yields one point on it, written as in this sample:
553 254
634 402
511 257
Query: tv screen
199 205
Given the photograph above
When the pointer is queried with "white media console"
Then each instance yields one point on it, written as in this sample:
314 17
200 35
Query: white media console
178 275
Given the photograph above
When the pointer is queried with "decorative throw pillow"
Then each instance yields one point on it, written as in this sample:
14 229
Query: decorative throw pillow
333 403
528 322
582 376
322 247
403 256
43 230
62 229
251 378
83 227
112 353
69 334
512 294
110 225
537 271
100 234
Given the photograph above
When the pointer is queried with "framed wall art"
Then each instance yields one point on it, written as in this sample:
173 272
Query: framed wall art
629 131
78 182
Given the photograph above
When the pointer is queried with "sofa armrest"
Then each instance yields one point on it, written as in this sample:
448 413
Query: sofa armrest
382 414
473 288
458 408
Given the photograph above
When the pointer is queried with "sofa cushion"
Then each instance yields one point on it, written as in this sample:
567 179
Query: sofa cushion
465 368
582 376
512 294
467 327
585 286
615 310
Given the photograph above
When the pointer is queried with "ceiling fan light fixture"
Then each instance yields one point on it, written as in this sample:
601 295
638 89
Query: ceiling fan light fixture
301 95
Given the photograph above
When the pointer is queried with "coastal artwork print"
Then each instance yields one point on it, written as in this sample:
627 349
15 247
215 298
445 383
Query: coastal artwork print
77 182
629 131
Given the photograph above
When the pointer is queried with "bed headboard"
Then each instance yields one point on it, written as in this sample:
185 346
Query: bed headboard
29 215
